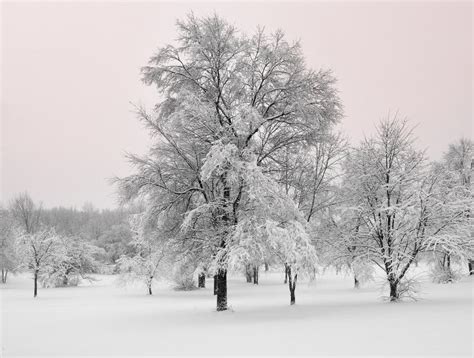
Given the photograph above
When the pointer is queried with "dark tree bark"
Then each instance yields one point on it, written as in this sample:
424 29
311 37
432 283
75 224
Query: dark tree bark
149 290
215 284
266 266
470 264
202 280
4 275
393 290
291 285
222 272
222 290
286 273
255 275
35 290
248 273
356 282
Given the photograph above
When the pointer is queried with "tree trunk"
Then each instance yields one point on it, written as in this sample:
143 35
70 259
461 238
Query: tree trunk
266 267
470 264
222 290
248 273
4 276
255 275
393 290
215 284
35 291
149 290
202 280
356 282
291 285
286 273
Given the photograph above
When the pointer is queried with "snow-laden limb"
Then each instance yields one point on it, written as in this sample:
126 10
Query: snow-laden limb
222 159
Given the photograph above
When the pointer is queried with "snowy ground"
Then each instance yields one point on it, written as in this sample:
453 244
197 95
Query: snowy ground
330 318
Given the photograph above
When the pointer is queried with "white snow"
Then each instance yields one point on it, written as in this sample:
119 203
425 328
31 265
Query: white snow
329 318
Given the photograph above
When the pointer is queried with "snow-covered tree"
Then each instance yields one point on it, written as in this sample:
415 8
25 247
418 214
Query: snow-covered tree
8 259
26 214
459 162
451 198
37 251
149 255
231 104
401 204
343 242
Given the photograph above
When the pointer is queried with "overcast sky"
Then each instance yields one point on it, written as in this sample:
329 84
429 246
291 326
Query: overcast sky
70 71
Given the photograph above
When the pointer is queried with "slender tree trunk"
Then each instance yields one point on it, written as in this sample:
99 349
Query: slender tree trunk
291 285
393 290
149 290
248 273
215 284
202 280
471 267
35 290
255 275
222 290
266 267
286 273
4 276
356 282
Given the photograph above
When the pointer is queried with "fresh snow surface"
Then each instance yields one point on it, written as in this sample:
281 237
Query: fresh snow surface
329 318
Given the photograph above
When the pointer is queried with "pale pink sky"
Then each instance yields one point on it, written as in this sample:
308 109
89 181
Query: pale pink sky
69 71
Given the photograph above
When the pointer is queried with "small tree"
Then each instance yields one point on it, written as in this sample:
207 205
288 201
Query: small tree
8 259
37 251
458 164
149 255
25 213
343 243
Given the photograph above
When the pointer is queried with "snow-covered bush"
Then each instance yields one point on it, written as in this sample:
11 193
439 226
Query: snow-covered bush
73 260
183 276
442 271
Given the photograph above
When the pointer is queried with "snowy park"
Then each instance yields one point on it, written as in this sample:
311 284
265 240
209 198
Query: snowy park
331 318
203 179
